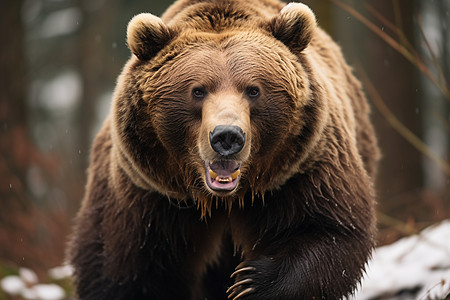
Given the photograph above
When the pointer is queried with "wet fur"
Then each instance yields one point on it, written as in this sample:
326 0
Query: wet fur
303 216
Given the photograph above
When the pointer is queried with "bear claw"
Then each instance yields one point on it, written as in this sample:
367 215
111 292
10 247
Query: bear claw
245 292
245 281
245 269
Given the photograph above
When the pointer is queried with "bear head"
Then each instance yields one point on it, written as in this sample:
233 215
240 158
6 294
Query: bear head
217 102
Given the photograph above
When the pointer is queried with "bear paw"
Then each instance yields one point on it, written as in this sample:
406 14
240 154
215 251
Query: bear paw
254 279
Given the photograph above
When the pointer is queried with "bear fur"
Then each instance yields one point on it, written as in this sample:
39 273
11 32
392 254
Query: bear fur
238 159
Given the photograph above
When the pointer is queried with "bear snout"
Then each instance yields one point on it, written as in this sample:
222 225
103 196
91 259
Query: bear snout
227 140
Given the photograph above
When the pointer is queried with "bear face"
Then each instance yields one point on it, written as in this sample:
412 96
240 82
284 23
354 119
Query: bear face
214 105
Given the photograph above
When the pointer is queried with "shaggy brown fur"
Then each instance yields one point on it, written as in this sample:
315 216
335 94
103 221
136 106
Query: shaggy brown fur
238 136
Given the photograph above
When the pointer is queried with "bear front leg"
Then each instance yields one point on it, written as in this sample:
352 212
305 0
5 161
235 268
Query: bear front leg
312 266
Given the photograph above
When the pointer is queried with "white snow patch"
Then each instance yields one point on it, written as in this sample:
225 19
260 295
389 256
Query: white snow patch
28 294
47 292
28 276
26 285
61 272
420 261
12 284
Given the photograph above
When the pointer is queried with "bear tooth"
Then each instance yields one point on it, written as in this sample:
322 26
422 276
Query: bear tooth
212 174
235 174
224 179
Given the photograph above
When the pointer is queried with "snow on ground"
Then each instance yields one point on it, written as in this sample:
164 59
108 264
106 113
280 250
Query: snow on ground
413 268
61 272
26 285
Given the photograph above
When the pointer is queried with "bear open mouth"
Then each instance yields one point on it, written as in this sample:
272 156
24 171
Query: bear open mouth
222 175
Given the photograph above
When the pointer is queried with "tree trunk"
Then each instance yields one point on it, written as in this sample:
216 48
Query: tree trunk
14 142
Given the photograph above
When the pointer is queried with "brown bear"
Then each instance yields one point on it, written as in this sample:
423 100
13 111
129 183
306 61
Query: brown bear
237 161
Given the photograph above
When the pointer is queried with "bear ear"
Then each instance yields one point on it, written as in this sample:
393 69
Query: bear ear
147 35
294 26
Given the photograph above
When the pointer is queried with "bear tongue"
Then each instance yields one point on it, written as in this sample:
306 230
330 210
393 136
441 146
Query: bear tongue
224 171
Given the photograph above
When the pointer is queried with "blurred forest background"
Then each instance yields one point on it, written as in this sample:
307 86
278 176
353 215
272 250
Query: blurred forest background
59 60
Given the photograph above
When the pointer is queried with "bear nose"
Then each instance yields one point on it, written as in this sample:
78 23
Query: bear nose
227 140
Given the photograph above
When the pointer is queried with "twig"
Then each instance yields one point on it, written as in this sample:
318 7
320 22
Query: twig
395 223
400 34
416 61
434 59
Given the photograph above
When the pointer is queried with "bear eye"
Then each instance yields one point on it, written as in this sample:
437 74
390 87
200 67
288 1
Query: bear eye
199 93
253 92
